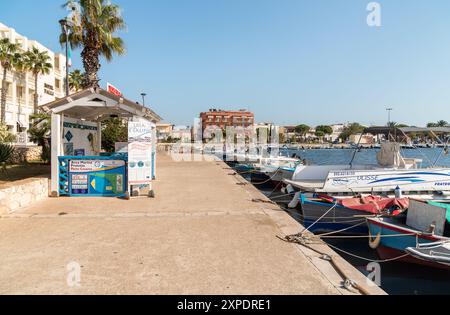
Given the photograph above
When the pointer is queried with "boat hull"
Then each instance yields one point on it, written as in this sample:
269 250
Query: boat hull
395 246
338 219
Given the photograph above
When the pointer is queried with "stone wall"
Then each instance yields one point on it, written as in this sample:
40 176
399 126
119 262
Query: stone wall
26 154
23 193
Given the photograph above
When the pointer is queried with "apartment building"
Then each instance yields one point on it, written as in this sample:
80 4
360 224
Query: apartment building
225 118
21 89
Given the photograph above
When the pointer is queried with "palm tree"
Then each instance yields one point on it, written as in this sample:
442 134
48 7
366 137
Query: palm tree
10 57
38 63
442 123
94 31
76 80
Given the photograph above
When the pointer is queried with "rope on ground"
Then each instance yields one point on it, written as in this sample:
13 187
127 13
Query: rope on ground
307 241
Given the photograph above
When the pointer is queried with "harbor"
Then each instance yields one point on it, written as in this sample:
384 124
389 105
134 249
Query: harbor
190 239
227 155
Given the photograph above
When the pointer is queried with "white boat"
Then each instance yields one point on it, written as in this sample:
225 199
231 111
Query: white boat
393 174
277 168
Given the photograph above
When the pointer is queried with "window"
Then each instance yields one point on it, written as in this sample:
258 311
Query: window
57 63
20 93
57 84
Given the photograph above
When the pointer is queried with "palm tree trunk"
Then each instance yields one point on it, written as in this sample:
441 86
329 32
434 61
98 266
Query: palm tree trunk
91 63
36 97
3 97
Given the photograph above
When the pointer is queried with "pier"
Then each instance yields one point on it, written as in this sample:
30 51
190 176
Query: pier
208 231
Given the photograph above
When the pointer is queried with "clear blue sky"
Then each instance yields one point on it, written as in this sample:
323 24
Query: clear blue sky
289 61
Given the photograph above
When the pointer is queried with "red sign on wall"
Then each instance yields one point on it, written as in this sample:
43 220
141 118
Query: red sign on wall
113 90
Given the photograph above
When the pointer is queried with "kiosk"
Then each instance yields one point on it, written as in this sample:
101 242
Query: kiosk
79 166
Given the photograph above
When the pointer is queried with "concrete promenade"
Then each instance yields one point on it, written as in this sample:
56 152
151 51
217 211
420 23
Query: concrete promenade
204 233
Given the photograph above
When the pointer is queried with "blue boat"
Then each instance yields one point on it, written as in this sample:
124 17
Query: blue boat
324 214
397 238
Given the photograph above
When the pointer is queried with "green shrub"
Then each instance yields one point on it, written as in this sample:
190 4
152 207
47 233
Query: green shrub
6 151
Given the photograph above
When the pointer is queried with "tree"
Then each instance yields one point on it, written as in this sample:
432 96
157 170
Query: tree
40 131
37 63
10 57
76 80
350 130
323 130
319 134
114 130
302 130
94 31
327 130
440 123
5 135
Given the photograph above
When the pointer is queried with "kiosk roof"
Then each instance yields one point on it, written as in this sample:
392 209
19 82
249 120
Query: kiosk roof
96 104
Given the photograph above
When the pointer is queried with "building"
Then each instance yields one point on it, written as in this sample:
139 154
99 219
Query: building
182 133
164 131
337 131
362 139
21 89
227 118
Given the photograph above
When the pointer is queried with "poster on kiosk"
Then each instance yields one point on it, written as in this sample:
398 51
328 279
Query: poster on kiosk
139 153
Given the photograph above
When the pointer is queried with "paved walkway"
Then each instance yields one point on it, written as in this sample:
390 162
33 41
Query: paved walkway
202 234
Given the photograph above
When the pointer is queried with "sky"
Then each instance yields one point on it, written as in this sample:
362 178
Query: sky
288 61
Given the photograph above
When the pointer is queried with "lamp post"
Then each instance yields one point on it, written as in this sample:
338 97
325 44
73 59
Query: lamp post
143 98
389 110
65 28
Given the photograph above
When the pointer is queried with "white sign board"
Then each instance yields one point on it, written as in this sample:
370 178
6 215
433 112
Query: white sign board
139 131
139 163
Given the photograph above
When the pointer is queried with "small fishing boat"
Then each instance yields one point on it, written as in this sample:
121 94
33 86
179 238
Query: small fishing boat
278 168
324 214
436 253
392 171
411 237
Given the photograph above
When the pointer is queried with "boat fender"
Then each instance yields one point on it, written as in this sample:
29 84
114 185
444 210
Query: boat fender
374 244
295 201
398 193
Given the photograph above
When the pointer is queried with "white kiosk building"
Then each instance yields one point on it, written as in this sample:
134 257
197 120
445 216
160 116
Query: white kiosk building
79 166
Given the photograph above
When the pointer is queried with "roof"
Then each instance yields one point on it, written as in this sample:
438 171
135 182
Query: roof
405 130
96 104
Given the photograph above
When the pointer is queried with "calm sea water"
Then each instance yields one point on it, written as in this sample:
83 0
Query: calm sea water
367 156
396 277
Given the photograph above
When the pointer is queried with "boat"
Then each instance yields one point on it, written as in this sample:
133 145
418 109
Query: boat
393 173
411 237
435 253
278 168
324 214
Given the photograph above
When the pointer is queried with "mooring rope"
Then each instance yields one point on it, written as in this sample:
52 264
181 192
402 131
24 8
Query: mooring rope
317 221
368 259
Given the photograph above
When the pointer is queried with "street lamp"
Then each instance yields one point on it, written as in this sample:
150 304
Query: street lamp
389 110
143 98
65 28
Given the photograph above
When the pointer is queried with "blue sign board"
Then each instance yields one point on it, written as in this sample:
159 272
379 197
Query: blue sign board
93 177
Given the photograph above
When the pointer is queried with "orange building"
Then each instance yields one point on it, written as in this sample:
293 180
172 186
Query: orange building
225 118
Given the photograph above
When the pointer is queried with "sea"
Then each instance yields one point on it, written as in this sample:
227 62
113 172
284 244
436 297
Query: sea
397 278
